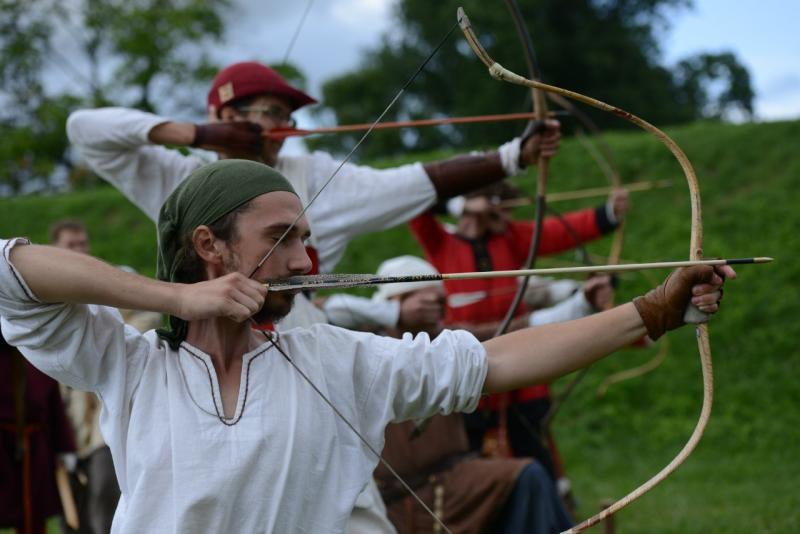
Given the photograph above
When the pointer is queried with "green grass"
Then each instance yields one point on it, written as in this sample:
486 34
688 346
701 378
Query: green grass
743 478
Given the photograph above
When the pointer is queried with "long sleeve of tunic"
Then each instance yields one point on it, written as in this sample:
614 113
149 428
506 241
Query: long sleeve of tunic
114 143
288 464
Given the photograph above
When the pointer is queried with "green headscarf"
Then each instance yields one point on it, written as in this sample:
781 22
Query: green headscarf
205 196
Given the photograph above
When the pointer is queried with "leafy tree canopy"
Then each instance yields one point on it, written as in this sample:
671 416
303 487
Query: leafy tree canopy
605 48
125 52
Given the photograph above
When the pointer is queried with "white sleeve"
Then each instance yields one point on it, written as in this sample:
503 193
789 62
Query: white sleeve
418 378
359 200
114 143
412 377
383 379
85 347
574 307
509 156
350 311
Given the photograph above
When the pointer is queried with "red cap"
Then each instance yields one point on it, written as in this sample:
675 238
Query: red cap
250 78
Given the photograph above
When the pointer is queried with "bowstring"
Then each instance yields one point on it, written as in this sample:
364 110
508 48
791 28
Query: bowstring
297 31
353 150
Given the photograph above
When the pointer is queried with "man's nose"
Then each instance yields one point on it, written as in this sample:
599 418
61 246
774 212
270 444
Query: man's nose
299 261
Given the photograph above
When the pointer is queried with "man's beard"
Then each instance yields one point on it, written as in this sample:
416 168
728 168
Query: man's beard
276 306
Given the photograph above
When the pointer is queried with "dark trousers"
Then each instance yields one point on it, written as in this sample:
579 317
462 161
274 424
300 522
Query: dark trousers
96 490
534 506
524 431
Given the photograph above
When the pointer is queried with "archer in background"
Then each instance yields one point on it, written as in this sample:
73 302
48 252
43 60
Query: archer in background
247 100
485 238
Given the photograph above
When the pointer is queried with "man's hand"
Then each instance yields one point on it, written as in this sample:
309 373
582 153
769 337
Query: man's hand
420 309
237 139
663 308
599 292
618 203
544 142
233 296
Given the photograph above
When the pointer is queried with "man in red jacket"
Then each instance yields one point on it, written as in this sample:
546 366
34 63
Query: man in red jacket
485 238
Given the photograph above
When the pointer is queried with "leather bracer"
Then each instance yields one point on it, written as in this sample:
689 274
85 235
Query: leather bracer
462 174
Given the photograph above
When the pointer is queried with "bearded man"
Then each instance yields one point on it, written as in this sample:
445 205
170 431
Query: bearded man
215 427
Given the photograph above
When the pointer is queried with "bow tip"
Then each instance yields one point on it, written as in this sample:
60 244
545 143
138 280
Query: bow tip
463 19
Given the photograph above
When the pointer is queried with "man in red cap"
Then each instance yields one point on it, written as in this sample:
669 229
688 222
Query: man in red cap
127 148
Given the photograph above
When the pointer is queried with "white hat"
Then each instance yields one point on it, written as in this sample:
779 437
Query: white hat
403 265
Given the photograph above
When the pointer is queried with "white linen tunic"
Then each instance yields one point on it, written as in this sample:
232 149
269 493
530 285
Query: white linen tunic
289 464
115 144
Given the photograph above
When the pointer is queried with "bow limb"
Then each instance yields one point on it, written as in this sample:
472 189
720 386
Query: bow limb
695 252
636 372
542 165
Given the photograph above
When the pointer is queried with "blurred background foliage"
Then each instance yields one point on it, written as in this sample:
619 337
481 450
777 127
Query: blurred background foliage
121 52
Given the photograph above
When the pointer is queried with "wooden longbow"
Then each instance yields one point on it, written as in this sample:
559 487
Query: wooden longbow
695 252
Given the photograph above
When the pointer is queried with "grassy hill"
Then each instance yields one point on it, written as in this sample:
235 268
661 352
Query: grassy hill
744 475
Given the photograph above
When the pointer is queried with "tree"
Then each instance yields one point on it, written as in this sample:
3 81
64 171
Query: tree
604 48
124 52
700 75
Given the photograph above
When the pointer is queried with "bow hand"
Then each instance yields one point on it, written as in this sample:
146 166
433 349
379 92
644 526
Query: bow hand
541 142
688 295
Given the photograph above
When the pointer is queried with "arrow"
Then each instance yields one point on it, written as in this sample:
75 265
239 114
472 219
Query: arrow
587 193
283 133
323 281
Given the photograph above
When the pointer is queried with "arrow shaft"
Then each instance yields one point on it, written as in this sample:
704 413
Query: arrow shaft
588 193
314 282
283 133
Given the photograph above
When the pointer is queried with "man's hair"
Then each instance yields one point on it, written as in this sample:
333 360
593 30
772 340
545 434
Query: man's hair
71 225
190 268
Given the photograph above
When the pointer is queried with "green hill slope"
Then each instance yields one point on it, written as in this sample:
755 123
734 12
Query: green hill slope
743 477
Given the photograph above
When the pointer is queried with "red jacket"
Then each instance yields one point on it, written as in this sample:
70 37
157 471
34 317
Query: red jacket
450 253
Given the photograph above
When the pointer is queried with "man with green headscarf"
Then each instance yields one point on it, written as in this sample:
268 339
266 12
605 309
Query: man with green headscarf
216 427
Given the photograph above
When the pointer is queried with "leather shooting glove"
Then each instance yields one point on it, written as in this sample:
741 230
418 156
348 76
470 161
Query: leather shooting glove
668 306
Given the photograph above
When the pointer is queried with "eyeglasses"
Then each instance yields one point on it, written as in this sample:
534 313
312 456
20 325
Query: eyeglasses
275 113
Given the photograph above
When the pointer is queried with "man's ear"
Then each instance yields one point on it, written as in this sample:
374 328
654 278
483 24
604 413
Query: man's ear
206 245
